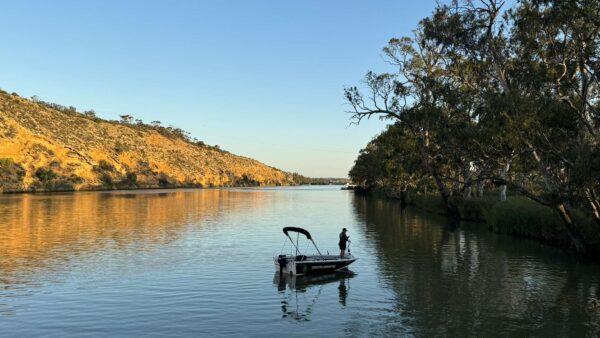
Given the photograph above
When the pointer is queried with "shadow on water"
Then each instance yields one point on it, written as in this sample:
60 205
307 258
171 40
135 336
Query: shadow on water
469 281
300 294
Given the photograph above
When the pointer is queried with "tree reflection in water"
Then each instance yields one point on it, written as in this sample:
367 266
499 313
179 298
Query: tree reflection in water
470 281
301 293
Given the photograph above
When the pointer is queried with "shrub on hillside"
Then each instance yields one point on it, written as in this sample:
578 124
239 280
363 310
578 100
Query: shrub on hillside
49 180
11 175
121 147
130 179
45 175
104 165
165 181
106 179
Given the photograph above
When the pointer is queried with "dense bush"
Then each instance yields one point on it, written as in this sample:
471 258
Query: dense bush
121 147
130 179
522 217
104 165
517 216
431 203
49 180
11 175
45 175
476 208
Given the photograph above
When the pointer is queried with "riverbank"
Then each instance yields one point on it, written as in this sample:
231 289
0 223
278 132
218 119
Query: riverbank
517 216
124 186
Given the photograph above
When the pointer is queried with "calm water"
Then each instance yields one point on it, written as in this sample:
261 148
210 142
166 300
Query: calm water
199 263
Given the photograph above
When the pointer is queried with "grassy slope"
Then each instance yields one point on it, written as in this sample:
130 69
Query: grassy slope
75 152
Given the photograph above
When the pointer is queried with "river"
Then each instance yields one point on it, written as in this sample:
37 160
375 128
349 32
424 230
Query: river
199 263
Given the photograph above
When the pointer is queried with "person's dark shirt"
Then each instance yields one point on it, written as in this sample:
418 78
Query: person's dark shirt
343 238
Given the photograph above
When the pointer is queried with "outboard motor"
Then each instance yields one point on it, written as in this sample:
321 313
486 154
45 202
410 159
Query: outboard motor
282 260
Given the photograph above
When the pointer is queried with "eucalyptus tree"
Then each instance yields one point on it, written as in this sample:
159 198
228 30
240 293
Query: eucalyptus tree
433 110
537 71
390 162
560 40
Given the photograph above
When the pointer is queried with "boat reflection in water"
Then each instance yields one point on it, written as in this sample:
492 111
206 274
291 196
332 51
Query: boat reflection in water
301 293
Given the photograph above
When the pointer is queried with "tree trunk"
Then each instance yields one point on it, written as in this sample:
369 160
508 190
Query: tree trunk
451 209
594 205
562 208
572 232
468 182
504 175
503 192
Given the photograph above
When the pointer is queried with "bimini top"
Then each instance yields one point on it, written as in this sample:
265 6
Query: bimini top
294 229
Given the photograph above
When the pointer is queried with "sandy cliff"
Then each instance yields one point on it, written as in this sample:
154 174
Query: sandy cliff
45 147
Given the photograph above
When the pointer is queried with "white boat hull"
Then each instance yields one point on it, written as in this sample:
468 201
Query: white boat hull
303 265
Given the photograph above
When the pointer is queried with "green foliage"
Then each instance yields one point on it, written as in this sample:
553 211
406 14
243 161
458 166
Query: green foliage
303 180
48 180
6 162
476 208
164 180
130 179
431 203
104 165
45 175
245 181
515 102
522 217
125 119
10 132
11 175
106 179
121 147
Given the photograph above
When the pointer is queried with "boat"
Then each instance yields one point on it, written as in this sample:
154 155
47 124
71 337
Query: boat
349 186
300 264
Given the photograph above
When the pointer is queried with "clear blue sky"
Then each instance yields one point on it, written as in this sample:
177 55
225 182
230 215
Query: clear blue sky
262 79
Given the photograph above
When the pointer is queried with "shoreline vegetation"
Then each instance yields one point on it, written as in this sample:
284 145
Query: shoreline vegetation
47 147
494 115
517 216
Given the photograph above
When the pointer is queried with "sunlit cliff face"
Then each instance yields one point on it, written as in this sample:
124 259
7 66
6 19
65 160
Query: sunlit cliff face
87 153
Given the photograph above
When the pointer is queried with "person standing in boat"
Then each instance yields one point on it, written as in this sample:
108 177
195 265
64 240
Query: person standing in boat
343 240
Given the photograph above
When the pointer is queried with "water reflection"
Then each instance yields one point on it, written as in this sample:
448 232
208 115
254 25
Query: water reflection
194 262
42 235
300 294
469 281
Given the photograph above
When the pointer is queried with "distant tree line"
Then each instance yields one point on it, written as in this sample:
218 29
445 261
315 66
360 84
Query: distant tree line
488 96
303 180
131 121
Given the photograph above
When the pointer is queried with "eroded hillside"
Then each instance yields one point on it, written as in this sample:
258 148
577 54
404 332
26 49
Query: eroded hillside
45 148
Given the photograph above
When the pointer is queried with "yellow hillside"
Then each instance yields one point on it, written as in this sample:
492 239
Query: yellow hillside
45 147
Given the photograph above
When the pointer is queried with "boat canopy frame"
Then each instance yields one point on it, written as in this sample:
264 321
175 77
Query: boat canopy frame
301 231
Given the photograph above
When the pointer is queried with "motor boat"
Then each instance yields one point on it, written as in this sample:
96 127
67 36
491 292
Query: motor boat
300 264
